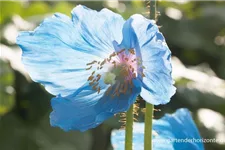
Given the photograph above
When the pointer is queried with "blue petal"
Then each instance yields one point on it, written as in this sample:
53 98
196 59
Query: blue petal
56 53
156 58
54 64
158 84
129 37
86 109
178 126
100 29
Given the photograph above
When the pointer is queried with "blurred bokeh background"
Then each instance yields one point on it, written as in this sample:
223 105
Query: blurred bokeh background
195 33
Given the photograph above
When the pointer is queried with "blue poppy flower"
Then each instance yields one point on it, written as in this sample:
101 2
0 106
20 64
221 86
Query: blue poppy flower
96 64
172 132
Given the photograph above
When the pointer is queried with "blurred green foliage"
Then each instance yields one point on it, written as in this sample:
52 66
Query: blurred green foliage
7 100
196 37
32 9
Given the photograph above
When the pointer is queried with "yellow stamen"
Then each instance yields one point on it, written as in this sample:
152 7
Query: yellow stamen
113 54
143 75
98 77
90 78
124 90
91 62
114 63
133 60
120 51
125 72
132 51
110 56
89 68
121 88
99 89
108 90
95 86
103 62
120 74
90 83
108 59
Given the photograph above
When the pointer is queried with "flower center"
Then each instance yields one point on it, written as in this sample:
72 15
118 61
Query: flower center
117 70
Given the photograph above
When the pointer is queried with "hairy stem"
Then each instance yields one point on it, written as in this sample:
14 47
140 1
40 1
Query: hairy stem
153 9
129 129
148 127
149 107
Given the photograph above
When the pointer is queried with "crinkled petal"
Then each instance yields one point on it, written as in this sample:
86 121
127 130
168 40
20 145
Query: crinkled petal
179 126
87 109
166 130
129 37
155 54
99 29
56 53
54 64
132 38
158 84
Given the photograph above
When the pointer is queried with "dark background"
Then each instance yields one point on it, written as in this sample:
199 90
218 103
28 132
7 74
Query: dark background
195 33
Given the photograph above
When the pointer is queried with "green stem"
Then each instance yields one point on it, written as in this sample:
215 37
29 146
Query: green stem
148 127
149 107
129 129
153 9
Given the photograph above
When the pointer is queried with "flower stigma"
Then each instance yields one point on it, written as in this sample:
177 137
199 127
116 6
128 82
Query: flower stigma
121 69
109 78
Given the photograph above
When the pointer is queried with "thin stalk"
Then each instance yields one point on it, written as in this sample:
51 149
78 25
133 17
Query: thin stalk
148 127
149 107
129 129
152 9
